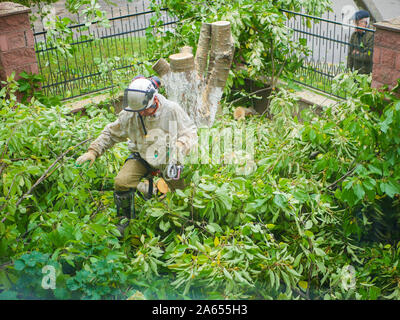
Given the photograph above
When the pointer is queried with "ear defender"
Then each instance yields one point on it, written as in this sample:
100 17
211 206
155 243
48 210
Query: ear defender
155 81
148 96
141 93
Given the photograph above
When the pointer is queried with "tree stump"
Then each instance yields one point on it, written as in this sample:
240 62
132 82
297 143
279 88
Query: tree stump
197 82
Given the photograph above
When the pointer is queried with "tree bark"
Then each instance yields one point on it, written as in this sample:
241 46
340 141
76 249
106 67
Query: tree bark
203 48
197 83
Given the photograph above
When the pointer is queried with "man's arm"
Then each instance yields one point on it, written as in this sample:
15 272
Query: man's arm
112 133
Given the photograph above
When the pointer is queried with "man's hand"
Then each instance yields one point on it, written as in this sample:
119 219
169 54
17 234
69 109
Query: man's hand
88 156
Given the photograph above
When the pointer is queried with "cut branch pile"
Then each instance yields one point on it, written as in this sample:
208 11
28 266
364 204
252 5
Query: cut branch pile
197 82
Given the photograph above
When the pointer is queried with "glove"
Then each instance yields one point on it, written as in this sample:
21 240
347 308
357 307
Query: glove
91 155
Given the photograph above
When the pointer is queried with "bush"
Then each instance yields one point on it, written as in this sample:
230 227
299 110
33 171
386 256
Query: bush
298 226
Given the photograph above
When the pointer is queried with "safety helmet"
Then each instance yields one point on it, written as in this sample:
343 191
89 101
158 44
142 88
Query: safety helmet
140 93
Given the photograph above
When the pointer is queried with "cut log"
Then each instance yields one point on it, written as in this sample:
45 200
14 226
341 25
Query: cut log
182 84
203 48
187 49
162 186
162 67
221 53
197 83
240 113
182 62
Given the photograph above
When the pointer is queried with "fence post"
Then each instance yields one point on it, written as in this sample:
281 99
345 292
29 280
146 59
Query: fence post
386 70
17 52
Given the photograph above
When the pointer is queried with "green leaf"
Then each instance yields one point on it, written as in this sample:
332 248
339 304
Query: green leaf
303 41
308 225
303 285
164 226
389 119
208 187
309 233
227 274
286 279
390 188
8 295
319 252
271 278
321 266
180 193
213 227
358 191
280 200
19 265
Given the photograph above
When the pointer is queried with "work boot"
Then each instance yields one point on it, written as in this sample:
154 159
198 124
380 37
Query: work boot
122 226
125 202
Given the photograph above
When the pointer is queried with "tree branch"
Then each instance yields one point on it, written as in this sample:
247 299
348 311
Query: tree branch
45 175
342 178
250 94
9 191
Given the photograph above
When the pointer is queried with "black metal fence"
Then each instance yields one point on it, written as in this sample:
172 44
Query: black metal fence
99 56
330 41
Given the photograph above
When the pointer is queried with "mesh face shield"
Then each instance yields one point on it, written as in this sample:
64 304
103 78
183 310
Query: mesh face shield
146 98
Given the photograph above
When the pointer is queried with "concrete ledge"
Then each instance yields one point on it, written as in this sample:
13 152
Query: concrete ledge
311 98
391 25
80 105
11 8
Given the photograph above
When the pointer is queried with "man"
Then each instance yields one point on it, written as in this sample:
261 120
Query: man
160 134
361 45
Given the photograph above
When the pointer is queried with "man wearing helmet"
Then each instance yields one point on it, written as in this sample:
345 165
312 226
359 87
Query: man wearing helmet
160 134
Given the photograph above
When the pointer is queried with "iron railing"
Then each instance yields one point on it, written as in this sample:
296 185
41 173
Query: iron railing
329 41
100 56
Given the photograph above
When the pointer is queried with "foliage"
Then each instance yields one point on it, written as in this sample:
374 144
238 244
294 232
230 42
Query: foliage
29 85
317 219
90 9
263 44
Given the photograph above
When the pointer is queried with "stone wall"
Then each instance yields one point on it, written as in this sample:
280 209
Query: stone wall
386 70
17 51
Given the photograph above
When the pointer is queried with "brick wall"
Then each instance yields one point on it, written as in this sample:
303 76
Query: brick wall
17 51
386 70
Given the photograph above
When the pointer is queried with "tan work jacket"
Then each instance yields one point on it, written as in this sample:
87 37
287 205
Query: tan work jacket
157 140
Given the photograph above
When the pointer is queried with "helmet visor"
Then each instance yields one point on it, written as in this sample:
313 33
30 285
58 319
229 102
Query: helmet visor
137 107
